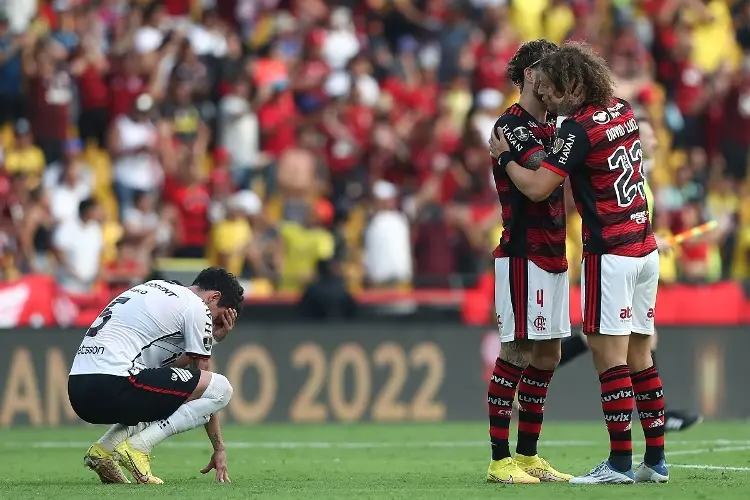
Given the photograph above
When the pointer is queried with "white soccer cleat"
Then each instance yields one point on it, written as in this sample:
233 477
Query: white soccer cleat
604 473
658 473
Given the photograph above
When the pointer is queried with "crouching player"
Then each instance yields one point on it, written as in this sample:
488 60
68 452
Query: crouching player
143 368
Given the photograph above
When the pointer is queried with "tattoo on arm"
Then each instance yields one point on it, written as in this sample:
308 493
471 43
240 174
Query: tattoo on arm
534 161
215 440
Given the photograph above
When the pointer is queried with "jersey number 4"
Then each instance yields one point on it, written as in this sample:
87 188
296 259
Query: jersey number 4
626 186
105 315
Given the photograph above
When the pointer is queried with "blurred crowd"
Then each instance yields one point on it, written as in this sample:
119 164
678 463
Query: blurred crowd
270 136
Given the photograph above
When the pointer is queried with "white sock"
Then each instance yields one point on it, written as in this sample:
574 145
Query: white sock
119 433
188 416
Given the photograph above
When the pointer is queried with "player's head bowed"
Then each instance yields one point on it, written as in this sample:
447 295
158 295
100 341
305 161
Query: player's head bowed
229 293
575 76
527 57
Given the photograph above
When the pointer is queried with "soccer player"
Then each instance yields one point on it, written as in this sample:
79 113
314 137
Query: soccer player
576 345
143 367
531 285
598 147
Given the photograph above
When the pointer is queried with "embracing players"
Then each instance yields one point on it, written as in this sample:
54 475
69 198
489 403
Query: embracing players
143 366
531 284
598 147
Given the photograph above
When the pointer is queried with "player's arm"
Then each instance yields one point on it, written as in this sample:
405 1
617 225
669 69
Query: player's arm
523 146
569 152
199 341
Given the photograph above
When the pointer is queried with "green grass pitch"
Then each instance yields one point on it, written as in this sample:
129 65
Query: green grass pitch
437 461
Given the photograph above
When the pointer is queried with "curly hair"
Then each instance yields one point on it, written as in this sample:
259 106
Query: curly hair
576 65
527 55
222 281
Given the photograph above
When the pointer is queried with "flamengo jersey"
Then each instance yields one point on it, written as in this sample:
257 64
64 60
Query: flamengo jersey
148 326
532 230
600 149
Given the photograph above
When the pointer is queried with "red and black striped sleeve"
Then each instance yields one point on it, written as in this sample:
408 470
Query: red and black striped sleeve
570 149
521 141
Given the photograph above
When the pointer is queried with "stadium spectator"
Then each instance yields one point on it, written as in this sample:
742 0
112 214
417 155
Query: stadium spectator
305 244
239 134
310 103
90 68
72 186
50 94
78 244
54 172
188 193
387 243
11 97
35 234
132 146
326 297
24 157
230 238
146 232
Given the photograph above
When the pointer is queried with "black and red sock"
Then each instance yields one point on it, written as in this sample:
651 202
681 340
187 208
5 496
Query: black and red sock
617 405
500 396
649 400
532 394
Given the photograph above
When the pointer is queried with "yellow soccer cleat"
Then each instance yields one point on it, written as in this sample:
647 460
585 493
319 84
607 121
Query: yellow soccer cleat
136 462
102 462
508 472
541 469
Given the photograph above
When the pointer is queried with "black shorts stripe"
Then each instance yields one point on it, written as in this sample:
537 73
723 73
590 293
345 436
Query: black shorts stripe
592 314
519 294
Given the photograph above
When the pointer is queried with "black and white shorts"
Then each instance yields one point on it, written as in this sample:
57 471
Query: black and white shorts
150 395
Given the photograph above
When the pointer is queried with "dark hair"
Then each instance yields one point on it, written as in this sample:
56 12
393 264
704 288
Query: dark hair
220 280
85 207
577 64
527 55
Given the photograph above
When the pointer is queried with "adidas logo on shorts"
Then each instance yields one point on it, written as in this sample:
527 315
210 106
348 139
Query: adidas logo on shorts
182 374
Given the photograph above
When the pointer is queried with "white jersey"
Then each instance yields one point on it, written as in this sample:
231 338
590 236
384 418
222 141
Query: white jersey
148 326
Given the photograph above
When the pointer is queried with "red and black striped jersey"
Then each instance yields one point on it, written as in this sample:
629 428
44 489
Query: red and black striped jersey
600 149
532 230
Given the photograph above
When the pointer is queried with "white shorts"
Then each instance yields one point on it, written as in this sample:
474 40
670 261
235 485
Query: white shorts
618 294
530 302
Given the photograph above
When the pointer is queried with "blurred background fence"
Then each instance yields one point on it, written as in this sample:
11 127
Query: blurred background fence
382 372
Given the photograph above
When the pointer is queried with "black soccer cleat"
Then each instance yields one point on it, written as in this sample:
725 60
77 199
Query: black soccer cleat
676 421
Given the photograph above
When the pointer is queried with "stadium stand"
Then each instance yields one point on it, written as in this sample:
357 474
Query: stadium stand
265 136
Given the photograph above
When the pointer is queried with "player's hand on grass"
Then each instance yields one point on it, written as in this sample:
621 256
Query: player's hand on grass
224 324
218 462
497 143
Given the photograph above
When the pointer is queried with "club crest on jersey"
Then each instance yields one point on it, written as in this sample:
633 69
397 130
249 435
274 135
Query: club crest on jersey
557 147
601 117
522 133
208 343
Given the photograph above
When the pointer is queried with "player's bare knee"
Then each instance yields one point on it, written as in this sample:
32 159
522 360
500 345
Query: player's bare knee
608 350
516 352
546 354
639 352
